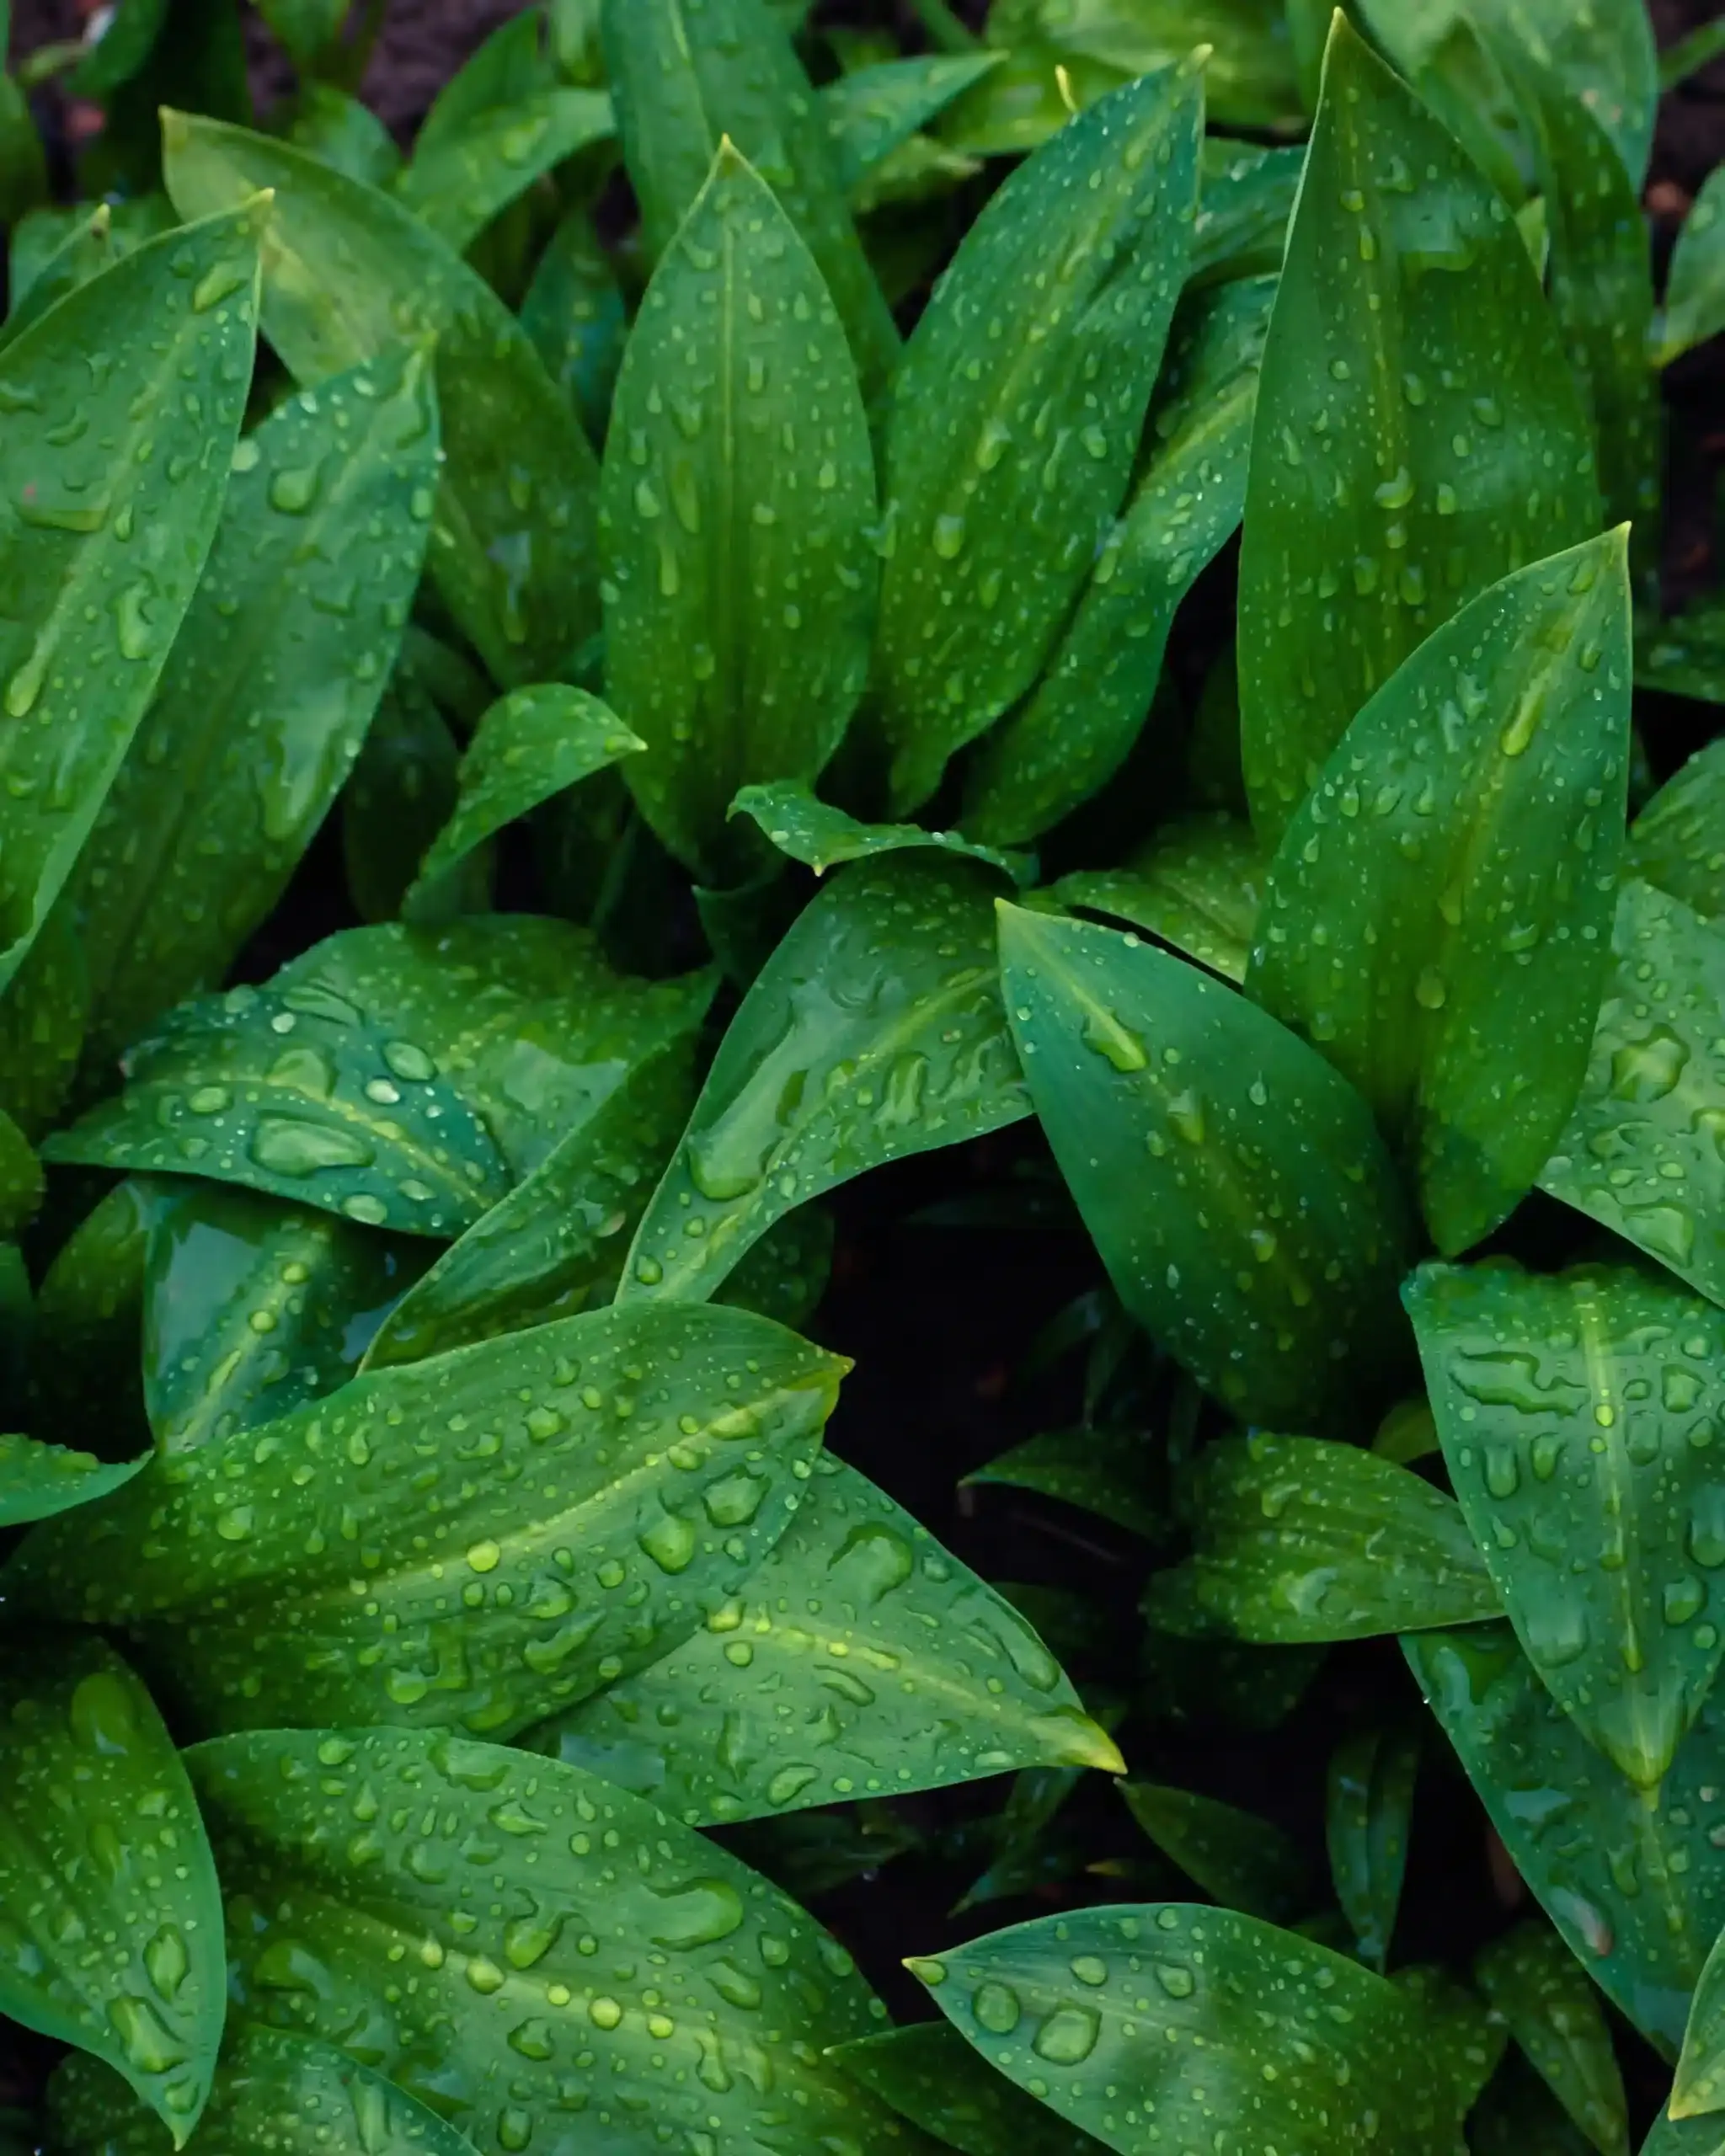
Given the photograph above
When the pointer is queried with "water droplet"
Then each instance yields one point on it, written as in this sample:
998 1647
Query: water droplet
1068 2035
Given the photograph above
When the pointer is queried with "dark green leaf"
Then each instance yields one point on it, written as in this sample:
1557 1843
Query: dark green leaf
340 132
1686 657
874 1032
1541 1992
574 313
93 241
699 2004
1517 2116
306 27
20 1177
1459 2038
37 1480
86 1385
1106 1472
469 173
119 48
1446 947
1008 455
785 1274
871 1662
1197 884
1370 1810
1678 841
1695 290
1232 1181
404 788
1604 55
511 65
1238 1858
1419 435
1246 197
24 166
110 1917
666 1445
822 837
347 274
872 110
1699 2088
931 2076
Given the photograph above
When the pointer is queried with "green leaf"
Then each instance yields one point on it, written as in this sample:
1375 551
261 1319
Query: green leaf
1458 2037
119 53
785 1275
685 81
405 787
1641 1154
43 1016
1536 1986
1678 840
1603 55
1517 2116
1367 1819
23 168
531 745
874 1031
1686 657
871 111
37 1480
143 457
1447 947
1419 435
469 174
735 515
95 241
272 2092
339 132
667 1446
306 27
1301 1540
1627 1875
931 2076
1574 1416
20 1177
822 837
347 274
1079 725
530 1970
1106 1472
1188 2022
861 1660
511 65
1198 885
100 1842
1007 456
1237 1858
85 1384
1695 287
574 313
266 696
1246 198
1699 2088
1232 1181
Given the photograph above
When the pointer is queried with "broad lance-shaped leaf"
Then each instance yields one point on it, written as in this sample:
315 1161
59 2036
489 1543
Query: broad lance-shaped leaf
1232 1181
574 314
1242 1861
1630 1876
403 789
1299 1539
1694 289
115 486
1702 2136
861 1660
44 1013
1438 915
110 1917
267 693
606 1978
542 1514
1699 2088
348 275
822 837
683 79
1018 412
1201 2026
1079 724
1198 885
1603 55
1536 1985
1106 1472
1576 1414
1417 437
1246 198
470 172
1678 841
1368 1811
530 745
37 1480
272 2092
872 110
874 1031
931 2076
1641 1153
736 510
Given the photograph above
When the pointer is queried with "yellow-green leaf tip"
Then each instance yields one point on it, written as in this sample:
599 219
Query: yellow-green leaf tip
176 128
1092 1747
926 1971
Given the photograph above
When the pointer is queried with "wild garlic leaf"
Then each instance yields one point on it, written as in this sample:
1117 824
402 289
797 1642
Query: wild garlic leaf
1419 435
340 132
1695 287
92 240
931 2076
868 1662
1603 55
1239 1860
871 111
1703 2136
85 1385
701 2001
100 1841
1232 1181
1367 1817
1079 724
348 273
403 789
736 514
1678 841
37 1480
471 171
267 693
874 1031
513 63
20 1177
1299 1540
1246 198
573 311
1106 1472
822 837
1576 1411
1698 2089
1007 455
1536 1985
1628 1876
1198 885
1437 917
592 1490
116 491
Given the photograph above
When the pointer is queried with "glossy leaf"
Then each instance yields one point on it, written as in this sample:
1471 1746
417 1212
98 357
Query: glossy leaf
1232 1182
1007 456
822 837
1197 884
1237 1858
667 1446
1246 197
405 787
1678 841
874 1031
347 274
1446 948
1574 1413
1699 2088
100 1841
785 1274
684 80
266 696
85 1385
1417 437
508 66
1604 55
869 1662
1517 2116
931 2076
1532 1981
1105 1471
735 517
752 1990
1640 1154
341 132
94 241
1301 1540
1695 287
37 1480
1079 723
1367 1817
20 1177
116 490
470 171
1627 1875
870 112
573 313
530 745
